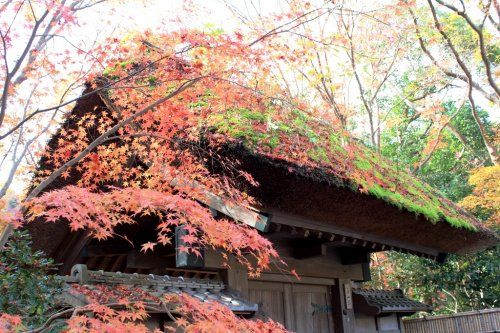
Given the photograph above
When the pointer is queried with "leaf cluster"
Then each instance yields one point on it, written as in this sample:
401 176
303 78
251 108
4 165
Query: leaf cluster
27 288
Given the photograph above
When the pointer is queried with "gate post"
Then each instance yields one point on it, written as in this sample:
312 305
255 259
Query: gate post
343 312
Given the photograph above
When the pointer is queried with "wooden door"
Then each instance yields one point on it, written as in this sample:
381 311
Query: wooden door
270 296
312 308
302 308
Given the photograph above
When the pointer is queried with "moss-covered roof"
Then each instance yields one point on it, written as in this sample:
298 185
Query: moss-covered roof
306 142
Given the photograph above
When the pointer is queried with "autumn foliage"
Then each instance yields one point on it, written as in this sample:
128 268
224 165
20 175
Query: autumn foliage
122 308
172 101
138 156
101 212
485 196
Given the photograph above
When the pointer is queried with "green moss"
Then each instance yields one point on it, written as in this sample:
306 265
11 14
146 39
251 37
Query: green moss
336 144
318 154
363 164
431 212
239 124
274 141
460 223
152 80
284 128
324 146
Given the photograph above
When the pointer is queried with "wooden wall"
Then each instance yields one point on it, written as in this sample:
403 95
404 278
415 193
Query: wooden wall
315 303
466 322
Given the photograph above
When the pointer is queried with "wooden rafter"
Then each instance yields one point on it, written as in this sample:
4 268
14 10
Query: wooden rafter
344 240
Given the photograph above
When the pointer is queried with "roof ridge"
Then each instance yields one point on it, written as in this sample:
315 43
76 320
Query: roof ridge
81 274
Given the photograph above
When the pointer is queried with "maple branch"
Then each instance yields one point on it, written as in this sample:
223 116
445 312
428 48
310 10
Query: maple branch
91 4
101 138
4 5
441 129
274 98
277 30
75 311
61 314
450 44
362 93
17 161
76 47
106 86
213 155
45 37
6 83
31 52
10 74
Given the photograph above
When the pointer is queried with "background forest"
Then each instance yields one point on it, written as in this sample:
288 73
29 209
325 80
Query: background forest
414 80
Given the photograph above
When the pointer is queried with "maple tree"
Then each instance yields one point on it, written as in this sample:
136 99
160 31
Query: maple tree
162 98
462 283
347 58
173 100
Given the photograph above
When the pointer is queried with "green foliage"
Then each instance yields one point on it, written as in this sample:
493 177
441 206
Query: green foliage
27 289
462 283
443 171
239 124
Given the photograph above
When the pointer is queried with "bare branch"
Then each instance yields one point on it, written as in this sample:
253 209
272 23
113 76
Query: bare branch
440 132
478 29
489 146
491 97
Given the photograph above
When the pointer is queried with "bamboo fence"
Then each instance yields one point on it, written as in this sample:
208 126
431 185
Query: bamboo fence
481 321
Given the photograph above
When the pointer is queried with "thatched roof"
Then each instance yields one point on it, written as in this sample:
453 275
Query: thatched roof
320 153
311 170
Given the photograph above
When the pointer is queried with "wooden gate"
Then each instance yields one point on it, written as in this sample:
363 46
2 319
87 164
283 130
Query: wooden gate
302 308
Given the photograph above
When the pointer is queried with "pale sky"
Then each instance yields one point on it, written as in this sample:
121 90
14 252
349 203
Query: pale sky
119 18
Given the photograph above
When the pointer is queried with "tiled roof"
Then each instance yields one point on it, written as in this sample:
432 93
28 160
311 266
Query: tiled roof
384 301
157 286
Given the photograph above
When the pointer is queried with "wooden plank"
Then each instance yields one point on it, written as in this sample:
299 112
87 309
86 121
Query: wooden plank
271 277
236 279
137 260
73 254
312 308
270 298
352 255
247 215
299 222
300 307
119 262
325 266
100 249
305 248
289 310
471 321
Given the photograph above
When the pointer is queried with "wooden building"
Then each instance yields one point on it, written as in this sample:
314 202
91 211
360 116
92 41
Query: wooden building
324 231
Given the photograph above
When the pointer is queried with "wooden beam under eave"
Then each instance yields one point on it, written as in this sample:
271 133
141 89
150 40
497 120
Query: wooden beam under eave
303 249
345 235
237 212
